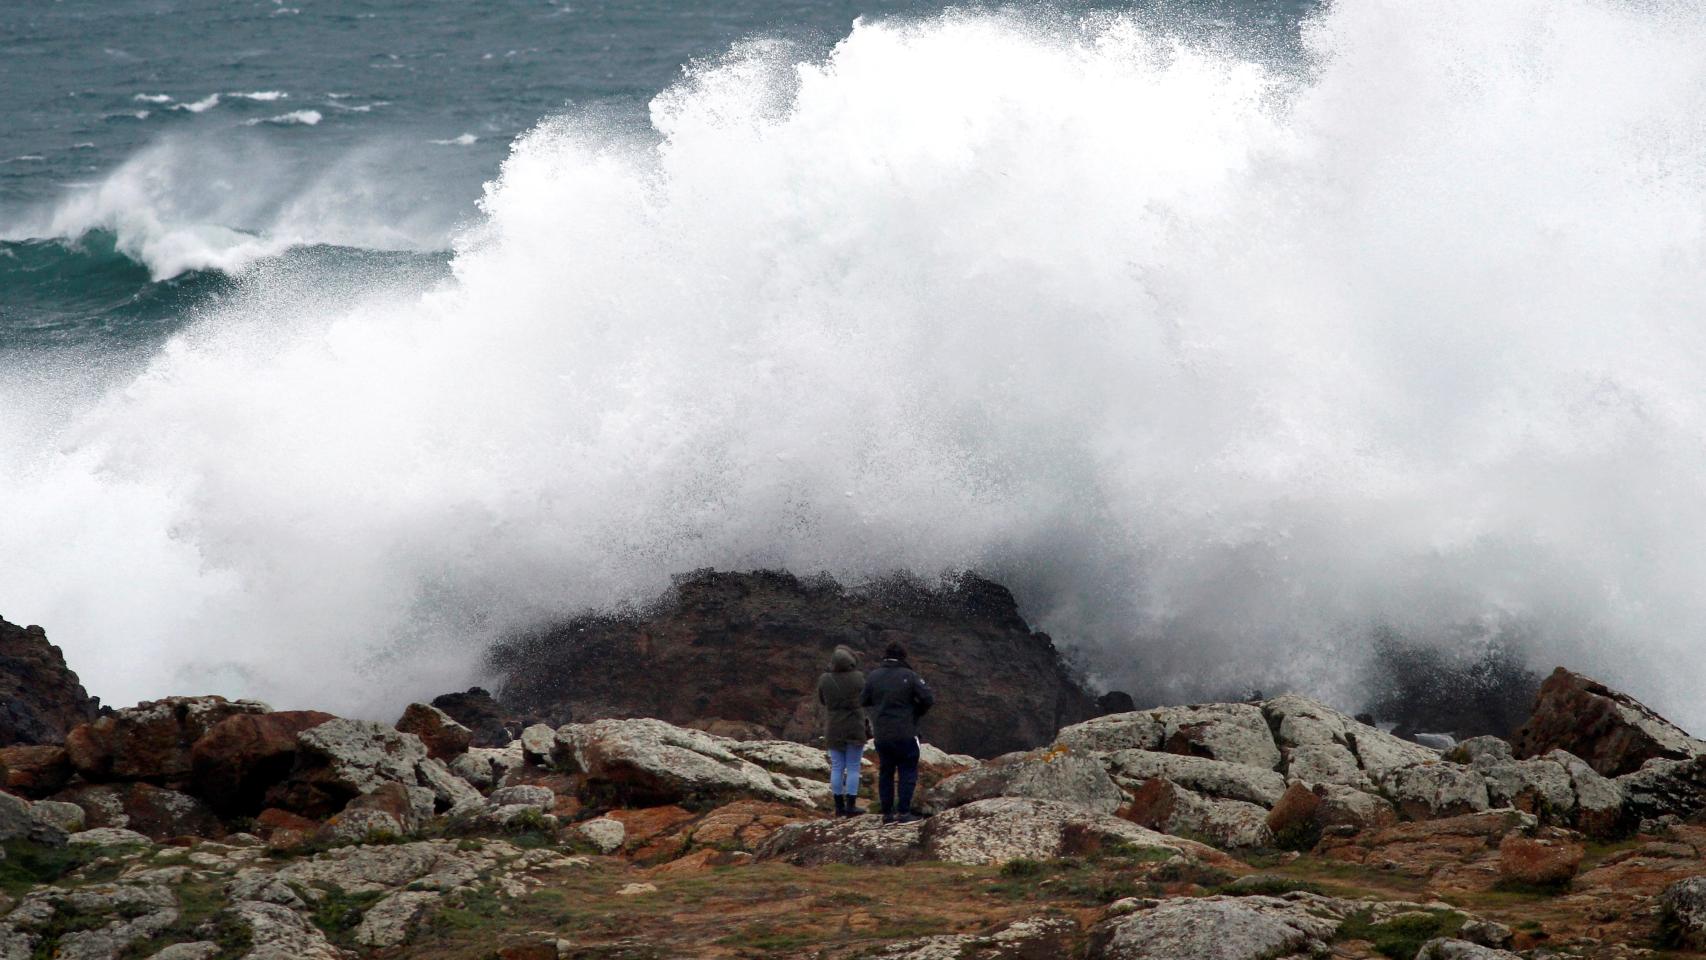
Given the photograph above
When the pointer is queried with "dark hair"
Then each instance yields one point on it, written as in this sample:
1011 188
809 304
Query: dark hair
895 651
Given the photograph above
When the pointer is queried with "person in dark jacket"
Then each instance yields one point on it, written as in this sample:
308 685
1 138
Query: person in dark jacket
896 697
839 691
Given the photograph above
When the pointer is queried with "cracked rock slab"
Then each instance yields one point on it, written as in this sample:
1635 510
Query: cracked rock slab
1214 928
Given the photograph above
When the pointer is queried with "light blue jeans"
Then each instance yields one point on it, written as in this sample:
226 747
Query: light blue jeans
844 762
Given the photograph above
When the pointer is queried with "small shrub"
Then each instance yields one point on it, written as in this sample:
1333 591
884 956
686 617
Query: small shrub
1402 936
339 913
1185 872
473 909
1022 868
1301 837
65 921
1266 885
26 865
1136 854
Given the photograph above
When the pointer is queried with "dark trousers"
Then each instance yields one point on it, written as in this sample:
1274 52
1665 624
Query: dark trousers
897 756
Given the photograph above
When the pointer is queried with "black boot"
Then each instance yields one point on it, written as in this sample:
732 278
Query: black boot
853 806
840 806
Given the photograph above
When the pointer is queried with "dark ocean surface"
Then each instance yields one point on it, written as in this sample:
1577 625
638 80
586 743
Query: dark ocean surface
151 147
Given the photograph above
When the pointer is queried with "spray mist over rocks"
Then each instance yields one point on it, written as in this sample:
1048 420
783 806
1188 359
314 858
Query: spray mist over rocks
1222 365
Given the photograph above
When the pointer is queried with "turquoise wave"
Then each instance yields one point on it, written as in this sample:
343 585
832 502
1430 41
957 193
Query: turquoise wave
60 291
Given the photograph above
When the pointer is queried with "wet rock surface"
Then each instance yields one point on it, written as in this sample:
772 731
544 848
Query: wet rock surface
41 700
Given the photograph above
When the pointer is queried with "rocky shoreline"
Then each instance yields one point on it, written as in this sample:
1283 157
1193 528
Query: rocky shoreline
200 828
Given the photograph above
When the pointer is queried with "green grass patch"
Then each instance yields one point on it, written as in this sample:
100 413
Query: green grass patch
1095 880
28 865
1133 853
1267 885
845 899
1022 869
200 918
1402 936
473 910
1301 837
66 920
338 913
903 928
1195 873
767 937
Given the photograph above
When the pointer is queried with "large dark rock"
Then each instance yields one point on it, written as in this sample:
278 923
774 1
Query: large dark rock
156 812
151 741
444 737
241 757
750 646
1612 731
475 709
40 698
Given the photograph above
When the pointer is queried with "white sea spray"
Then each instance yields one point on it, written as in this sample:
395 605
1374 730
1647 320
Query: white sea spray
1218 366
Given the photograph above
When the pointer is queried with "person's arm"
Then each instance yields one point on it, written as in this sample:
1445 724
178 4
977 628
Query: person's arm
867 696
820 697
923 698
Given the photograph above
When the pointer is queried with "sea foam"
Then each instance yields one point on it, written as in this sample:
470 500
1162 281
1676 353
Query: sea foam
186 203
1221 365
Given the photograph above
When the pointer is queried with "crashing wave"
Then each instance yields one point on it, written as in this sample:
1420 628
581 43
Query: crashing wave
1222 366
186 205
306 118
199 106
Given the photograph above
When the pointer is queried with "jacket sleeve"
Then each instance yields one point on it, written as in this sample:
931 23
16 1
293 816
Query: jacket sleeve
866 696
820 697
923 698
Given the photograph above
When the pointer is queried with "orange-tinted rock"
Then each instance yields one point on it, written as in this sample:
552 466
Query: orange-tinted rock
284 830
568 807
1295 820
239 758
1549 860
150 741
651 831
1152 805
445 739
35 771
396 801
1613 732
1421 848
704 859
647 822
743 825
272 818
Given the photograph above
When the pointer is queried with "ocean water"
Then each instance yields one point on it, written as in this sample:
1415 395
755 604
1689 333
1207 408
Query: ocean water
337 340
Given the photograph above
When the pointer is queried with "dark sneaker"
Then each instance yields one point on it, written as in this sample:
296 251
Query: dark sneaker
888 818
906 818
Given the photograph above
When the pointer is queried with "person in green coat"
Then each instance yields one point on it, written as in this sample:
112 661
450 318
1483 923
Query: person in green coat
844 732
